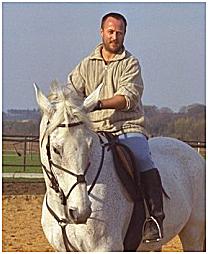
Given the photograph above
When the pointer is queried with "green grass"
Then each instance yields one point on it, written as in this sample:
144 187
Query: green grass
13 159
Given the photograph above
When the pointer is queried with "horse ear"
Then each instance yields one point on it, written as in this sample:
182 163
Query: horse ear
91 101
42 101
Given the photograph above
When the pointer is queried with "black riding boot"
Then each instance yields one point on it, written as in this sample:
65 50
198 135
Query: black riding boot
152 188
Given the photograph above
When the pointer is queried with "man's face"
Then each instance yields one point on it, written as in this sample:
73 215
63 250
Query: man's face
112 34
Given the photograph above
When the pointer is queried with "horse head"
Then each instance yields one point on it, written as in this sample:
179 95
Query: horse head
65 143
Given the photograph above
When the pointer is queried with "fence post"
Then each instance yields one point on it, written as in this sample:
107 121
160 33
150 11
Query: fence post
25 152
198 147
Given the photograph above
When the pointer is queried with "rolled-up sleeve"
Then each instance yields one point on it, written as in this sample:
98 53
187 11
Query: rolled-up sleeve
131 84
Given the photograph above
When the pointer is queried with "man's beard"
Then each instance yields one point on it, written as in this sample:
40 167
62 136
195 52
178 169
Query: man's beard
113 49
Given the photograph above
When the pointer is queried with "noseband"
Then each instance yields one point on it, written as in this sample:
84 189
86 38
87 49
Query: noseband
54 184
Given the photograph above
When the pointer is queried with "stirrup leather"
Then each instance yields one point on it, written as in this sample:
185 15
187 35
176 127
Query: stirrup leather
151 218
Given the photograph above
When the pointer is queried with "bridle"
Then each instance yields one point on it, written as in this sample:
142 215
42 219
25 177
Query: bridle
80 179
51 175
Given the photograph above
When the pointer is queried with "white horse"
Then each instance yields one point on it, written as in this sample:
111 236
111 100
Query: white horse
84 210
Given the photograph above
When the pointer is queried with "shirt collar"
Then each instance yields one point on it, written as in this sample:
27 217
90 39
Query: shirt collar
96 54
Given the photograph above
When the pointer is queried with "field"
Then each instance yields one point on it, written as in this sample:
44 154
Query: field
13 158
21 228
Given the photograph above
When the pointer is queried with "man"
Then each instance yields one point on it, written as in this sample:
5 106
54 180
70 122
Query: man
120 109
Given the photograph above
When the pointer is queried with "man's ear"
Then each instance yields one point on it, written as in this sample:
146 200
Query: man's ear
91 101
101 32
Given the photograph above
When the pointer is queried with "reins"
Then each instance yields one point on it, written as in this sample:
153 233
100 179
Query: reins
62 223
100 166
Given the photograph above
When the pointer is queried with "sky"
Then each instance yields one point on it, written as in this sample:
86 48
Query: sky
45 41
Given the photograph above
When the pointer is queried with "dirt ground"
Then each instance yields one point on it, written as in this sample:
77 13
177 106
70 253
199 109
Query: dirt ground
21 213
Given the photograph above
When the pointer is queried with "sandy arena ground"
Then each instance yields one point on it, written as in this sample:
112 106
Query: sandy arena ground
21 229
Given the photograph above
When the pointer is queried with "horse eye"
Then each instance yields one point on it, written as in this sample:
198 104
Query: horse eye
56 151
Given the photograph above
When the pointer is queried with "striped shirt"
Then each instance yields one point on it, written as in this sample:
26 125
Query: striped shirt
121 76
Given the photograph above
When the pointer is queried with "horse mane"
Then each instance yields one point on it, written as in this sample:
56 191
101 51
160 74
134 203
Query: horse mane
67 106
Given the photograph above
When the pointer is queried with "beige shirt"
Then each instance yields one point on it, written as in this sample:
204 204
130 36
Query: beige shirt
121 76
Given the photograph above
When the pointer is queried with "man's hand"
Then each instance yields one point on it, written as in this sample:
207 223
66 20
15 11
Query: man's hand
98 106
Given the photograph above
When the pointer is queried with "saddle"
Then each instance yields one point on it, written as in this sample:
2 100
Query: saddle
125 168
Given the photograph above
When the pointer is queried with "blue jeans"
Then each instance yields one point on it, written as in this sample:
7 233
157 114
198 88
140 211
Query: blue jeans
138 144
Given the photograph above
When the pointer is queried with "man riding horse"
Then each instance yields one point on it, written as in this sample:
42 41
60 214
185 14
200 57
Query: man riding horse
120 110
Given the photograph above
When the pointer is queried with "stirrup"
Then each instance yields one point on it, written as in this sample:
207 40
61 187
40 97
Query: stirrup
151 218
